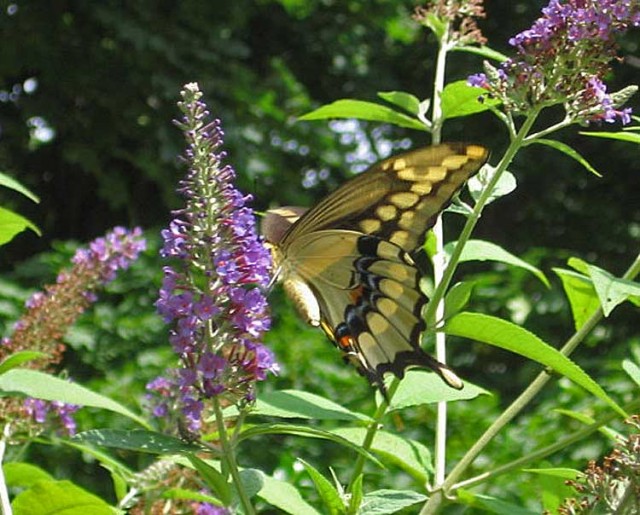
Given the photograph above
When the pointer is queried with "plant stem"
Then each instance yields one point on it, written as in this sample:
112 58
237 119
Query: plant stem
440 463
518 405
229 458
381 410
5 505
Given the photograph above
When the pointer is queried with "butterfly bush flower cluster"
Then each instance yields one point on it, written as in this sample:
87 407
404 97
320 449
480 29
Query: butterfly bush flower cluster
563 58
212 294
51 312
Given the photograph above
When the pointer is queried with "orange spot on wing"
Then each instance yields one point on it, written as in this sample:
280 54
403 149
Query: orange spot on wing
346 343
356 294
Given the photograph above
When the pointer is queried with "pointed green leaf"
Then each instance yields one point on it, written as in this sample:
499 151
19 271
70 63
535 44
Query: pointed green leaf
139 440
306 431
419 387
480 250
612 290
285 497
17 359
581 294
572 153
382 502
216 481
631 137
506 184
588 420
43 386
457 298
632 370
565 473
356 494
483 51
488 504
191 495
59 497
406 101
12 224
509 336
411 456
9 182
348 108
299 404
460 99
330 497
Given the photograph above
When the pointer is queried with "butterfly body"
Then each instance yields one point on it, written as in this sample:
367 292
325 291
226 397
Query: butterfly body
347 263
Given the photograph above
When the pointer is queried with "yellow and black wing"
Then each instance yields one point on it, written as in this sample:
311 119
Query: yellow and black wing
347 262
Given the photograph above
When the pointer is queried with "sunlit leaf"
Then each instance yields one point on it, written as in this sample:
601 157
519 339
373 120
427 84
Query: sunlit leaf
59 497
382 502
569 151
581 294
348 108
12 224
509 336
460 99
331 500
406 101
136 440
9 182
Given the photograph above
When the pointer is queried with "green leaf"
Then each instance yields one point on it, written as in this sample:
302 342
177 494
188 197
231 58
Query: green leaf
285 497
348 108
460 99
382 502
12 224
17 359
252 481
564 473
139 440
581 294
356 494
483 51
588 420
217 482
480 250
632 370
506 184
457 298
59 498
298 404
406 101
620 136
572 153
490 504
420 387
305 431
509 336
10 183
413 457
330 497
24 475
611 290
43 386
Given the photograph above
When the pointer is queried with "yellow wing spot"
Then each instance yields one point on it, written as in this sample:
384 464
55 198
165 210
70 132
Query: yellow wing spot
404 199
422 187
400 238
399 164
377 323
387 251
387 307
437 173
409 174
387 212
370 225
391 289
407 219
455 162
476 152
373 353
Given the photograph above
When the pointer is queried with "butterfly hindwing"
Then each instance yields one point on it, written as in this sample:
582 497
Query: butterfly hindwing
347 264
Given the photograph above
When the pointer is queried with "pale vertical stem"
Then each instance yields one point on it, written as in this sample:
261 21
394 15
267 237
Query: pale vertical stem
439 266
5 505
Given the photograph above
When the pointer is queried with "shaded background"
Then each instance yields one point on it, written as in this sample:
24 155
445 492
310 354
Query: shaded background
87 98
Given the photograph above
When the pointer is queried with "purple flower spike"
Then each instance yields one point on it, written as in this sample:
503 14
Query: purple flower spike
212 292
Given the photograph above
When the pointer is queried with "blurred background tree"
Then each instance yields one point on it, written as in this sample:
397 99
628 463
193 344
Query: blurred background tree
87 97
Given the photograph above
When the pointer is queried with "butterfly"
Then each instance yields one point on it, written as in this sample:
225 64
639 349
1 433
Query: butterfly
349 263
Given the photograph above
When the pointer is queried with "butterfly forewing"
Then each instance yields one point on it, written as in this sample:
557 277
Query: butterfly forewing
347 262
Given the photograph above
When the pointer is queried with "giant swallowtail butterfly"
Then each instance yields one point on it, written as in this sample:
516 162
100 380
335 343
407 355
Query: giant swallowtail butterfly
348 263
